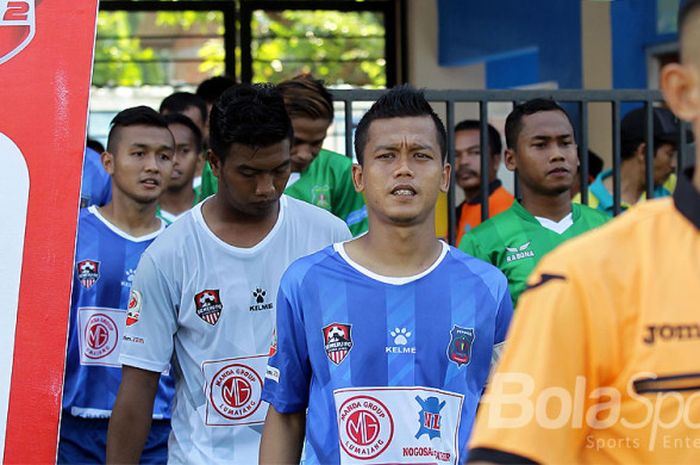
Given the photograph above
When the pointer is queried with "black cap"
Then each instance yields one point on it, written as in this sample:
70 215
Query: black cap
666 126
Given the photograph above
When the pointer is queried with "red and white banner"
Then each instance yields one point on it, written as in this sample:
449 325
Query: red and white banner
46 50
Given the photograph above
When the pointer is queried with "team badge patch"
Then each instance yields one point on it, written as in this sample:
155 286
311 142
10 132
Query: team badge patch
320 196
235 391
460 348
208 305
101 336
338 341
429 416
17 27
88 272
133 311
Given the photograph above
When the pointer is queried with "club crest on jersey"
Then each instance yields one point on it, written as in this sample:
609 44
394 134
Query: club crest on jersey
133 311
88 272
338 341
320 196
429 417
17 27
459 349
208 305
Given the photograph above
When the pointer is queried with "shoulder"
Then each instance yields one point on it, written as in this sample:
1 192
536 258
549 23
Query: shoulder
491 276
334 159
302 212
174 237
621 239
488 227
300 268
591 214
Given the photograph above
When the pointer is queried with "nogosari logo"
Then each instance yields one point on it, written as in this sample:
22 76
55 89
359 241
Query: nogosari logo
17 27
649 402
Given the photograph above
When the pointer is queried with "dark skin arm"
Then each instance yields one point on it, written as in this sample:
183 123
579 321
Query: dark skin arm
283 437
131 415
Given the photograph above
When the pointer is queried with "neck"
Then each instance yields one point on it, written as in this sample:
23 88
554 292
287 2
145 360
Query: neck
134 218
551 206
633 182
471 194
234 227
177 201
399 251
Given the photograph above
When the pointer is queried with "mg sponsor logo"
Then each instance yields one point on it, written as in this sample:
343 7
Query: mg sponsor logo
101 336
17 27
235 391
365 426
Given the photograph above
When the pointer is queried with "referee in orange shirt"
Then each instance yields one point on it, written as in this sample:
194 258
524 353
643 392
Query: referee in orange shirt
601 363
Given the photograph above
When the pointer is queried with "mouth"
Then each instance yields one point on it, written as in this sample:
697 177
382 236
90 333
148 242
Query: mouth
403 190
150 183
466 174
559 171
176 174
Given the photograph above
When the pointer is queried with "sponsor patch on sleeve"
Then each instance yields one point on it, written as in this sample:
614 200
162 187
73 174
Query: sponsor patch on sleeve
272 373
133 311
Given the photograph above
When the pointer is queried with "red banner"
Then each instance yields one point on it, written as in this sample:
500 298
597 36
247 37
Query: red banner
46 50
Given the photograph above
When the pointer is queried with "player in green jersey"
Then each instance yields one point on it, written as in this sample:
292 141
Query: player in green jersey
543 152
320 177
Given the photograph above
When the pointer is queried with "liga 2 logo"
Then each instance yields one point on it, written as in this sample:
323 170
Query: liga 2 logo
17 27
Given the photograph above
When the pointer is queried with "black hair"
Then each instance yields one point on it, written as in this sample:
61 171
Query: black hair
514 121
179 118
211 89
248 114
495 144
134 116
306 97
400 102
95 145
181 101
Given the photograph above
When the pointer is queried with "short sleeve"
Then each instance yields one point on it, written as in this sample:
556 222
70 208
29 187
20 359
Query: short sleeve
556 349
151 319
288 373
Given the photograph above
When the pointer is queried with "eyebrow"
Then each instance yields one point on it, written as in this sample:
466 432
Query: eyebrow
559 136
138 145
248 167
414 146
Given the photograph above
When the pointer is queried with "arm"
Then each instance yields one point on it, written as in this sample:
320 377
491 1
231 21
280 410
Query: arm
282 438
131 415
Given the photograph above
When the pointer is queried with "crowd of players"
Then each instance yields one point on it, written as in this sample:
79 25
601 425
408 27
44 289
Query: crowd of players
241 294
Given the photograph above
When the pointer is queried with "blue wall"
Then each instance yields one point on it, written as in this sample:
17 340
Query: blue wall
521 41
633 24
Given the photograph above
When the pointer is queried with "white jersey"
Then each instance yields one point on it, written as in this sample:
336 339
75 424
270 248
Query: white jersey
212 306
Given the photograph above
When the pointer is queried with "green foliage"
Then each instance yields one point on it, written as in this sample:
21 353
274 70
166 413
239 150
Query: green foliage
339 47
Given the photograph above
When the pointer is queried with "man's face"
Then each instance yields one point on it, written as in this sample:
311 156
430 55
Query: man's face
251 179
142 163
403 172
664 163
545 157
468 159
308 140
186 157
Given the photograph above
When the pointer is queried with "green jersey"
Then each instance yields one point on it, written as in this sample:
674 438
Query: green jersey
515 241
326 183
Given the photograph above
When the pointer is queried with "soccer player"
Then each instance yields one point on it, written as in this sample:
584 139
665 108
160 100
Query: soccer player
204 292
633 153
468 175
387 340
601 364
180 196
110 242
542 150
96 184
320 177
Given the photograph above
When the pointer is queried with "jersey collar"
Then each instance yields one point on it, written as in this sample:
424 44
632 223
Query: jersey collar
526 215
687 198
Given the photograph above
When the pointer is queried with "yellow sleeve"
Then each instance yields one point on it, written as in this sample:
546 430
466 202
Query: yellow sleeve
558 349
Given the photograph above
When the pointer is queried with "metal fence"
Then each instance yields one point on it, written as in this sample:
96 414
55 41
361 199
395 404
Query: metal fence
580 99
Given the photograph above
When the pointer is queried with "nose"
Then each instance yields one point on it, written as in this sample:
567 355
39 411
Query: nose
557 154
303 152
151 163
265 186
403 167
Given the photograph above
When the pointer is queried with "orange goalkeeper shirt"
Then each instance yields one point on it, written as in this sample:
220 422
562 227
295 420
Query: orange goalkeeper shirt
602 363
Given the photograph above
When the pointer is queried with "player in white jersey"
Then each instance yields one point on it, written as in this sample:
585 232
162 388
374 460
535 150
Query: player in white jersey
206 292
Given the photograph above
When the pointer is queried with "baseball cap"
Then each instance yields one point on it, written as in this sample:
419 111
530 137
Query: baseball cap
666 126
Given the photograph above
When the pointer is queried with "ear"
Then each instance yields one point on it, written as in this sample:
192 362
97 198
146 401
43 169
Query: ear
215 163
511 162
680 85
641 152
107 160
446 172
357 178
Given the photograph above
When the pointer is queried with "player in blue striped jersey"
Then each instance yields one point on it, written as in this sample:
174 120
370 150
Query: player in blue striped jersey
109 245
388 339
